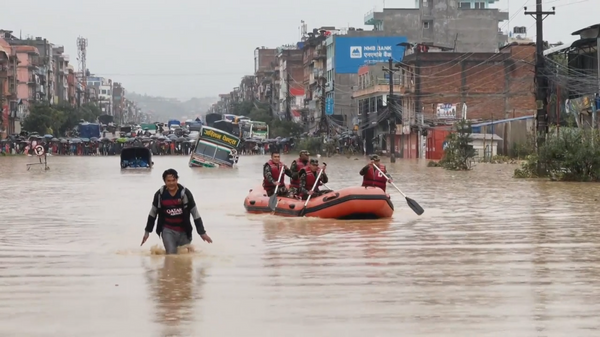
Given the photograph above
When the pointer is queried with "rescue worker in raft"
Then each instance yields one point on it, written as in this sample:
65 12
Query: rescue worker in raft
372 176
308 179
296 166
271 171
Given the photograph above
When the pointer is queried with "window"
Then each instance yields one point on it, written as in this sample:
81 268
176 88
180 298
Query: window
465 5
425 24
205 149
480 5
360 107
223 155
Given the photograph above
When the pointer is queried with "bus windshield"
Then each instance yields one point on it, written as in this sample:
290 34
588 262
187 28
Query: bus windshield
212 151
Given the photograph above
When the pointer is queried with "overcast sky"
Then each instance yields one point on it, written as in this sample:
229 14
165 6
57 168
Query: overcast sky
187 48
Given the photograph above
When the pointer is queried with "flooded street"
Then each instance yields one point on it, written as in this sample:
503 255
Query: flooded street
491 256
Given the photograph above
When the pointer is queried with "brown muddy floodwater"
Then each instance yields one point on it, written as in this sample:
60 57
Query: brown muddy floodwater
491 256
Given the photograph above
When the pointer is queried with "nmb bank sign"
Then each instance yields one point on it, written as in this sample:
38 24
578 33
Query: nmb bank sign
352 53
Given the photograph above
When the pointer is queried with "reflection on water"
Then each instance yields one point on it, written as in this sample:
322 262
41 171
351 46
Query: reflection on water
176 290
491 256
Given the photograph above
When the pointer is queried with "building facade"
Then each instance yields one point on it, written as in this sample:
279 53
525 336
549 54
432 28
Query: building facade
462 25
370 94
441 87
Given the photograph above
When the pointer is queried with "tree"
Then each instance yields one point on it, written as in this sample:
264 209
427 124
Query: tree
242 108
58 119
459 151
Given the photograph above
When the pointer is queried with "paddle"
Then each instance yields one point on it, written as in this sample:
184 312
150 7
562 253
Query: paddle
273 200
312 190
411 203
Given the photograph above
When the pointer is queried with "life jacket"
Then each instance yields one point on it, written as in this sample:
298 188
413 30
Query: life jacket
311 180
296 182
275 171
375 178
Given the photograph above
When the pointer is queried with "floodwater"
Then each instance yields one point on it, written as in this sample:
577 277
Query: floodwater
491 256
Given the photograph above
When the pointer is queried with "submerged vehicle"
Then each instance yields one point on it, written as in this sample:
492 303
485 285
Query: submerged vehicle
215 148
137 157
347 204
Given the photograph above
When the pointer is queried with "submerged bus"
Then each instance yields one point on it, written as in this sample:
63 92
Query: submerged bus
215 148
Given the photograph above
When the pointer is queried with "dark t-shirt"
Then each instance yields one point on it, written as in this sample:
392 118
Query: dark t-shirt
172 207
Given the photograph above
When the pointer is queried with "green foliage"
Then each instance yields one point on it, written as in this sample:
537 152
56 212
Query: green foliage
242 108
572 155
56 120
277 128
459 153
313 145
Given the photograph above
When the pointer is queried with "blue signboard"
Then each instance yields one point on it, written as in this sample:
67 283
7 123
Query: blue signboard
329 106
352 53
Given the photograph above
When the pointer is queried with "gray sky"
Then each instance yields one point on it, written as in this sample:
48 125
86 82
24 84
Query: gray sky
187 48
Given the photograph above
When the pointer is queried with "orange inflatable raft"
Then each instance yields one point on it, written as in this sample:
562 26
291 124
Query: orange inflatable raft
347 203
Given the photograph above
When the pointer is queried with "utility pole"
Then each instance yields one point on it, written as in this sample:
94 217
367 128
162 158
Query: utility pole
418 108
392 111
288 98
323 122
540 75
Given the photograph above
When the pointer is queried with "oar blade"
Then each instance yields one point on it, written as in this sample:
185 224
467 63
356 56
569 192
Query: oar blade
302 212
273 202
414 206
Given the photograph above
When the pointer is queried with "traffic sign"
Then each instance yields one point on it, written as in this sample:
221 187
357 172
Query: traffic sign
39 150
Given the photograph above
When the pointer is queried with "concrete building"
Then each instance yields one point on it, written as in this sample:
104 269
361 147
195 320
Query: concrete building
72 86
346 52
248 88
100 92
441 87
463 25
29 82
289 62
119 107
45 67
264 67
7 79
60 71
314 58
370 96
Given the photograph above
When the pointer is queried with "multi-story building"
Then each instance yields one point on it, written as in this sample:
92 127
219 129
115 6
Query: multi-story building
101 93
45 73
247 88
72 92
61 84
119 107
264 67
5 93
287 77
314 59
441 87
347 51
29 82
370 95
462 25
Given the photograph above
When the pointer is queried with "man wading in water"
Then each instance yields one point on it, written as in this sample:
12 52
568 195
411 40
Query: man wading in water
173 204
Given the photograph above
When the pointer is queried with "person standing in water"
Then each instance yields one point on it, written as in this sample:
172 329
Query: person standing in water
173 205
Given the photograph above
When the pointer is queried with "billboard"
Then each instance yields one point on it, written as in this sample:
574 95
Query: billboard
329 106
353 52
446 111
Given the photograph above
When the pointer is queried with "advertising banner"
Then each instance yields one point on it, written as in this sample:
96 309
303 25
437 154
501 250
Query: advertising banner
353 52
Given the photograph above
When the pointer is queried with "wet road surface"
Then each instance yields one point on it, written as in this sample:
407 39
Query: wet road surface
491 256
